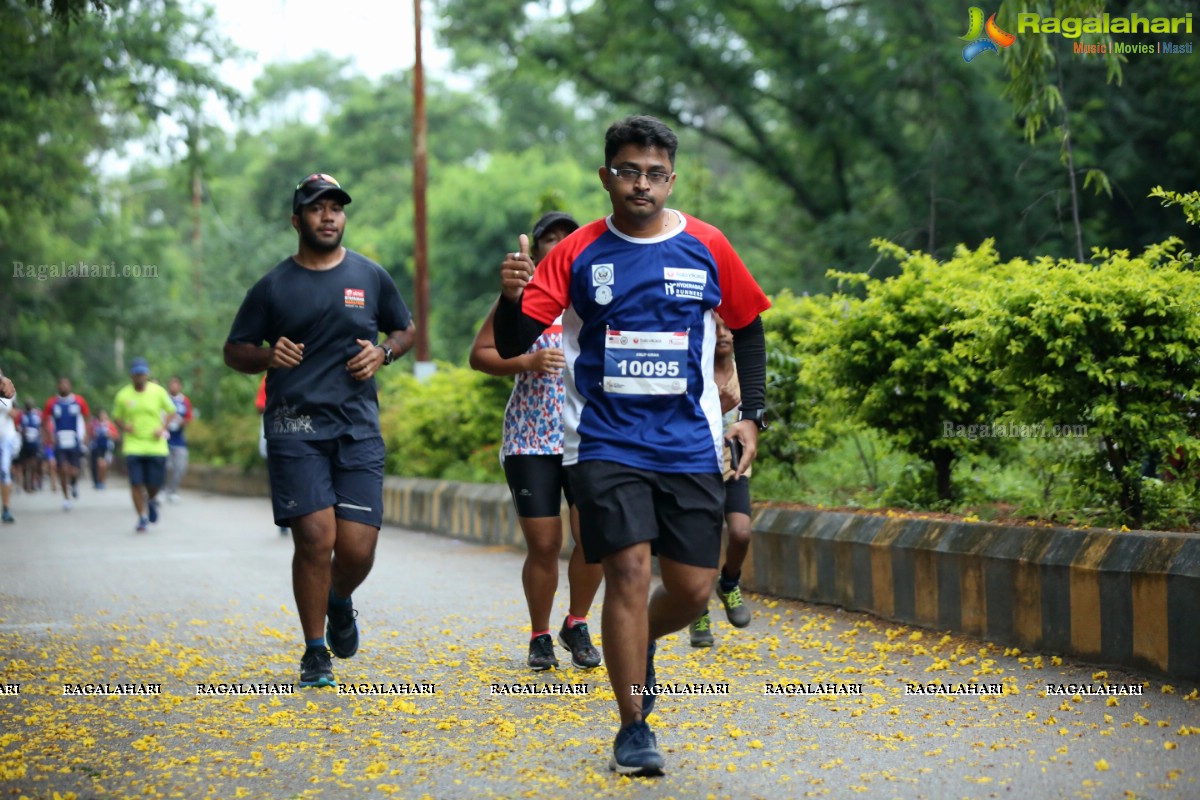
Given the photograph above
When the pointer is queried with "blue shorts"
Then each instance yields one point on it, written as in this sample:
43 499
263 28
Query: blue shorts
311 475
147 470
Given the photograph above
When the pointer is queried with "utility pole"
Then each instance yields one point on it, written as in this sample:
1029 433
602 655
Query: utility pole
194 159
424 367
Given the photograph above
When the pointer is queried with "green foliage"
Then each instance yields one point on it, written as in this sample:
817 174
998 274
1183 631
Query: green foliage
447 426
1189 203
1109 345
803 404
901 362
229 441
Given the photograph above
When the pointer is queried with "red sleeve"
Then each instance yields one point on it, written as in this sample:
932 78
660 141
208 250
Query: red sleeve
48 411
83 406
549 292
260 402
742 299
187 406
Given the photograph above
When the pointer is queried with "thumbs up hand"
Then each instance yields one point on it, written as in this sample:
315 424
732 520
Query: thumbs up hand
516 270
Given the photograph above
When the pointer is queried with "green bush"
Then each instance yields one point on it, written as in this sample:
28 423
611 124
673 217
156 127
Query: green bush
446 426
897 357
803 410
1111 346
231 440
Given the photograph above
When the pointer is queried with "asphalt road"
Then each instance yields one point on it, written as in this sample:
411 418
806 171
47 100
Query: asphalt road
204 600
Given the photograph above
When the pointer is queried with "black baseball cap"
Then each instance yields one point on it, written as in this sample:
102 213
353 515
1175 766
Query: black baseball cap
314 186
549 220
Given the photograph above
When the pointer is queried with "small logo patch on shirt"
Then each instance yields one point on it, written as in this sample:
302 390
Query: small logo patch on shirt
602 274
356 298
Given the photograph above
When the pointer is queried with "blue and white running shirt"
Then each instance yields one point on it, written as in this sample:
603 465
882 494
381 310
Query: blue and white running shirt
639 336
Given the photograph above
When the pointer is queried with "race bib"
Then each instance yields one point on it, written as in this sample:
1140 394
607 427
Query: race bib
645 363
68 440
32 435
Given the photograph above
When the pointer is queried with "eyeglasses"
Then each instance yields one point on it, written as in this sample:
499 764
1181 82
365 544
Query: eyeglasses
632 175
318 177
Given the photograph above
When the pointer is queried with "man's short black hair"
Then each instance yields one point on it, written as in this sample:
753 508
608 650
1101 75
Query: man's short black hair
641 131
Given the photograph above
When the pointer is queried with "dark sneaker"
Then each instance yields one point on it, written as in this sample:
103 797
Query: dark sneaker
701 631
341 631
316 668
651 682
584 654
736 610
141 526
152 511
7 516
635 752
541 653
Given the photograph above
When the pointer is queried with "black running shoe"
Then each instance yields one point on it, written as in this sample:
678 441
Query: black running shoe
651 683
341 631
316 668
584 654
635 752
541 653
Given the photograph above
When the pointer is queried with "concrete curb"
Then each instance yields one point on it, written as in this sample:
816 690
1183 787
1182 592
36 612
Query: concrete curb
1126 599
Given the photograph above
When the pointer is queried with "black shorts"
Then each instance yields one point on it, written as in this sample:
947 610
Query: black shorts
69 457
680 514
537 485
30 451
310 475
146 470
737 496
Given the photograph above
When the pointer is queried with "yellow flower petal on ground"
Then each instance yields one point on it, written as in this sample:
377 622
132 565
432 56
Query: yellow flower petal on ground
1102 765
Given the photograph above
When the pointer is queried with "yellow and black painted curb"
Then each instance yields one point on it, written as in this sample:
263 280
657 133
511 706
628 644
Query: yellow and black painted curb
1129 599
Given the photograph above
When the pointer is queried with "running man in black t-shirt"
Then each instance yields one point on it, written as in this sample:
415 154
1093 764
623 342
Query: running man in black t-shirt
320 313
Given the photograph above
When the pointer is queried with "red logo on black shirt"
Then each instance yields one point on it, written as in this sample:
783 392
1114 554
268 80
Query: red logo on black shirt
356 298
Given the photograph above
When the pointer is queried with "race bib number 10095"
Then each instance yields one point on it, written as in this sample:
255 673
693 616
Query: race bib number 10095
645 363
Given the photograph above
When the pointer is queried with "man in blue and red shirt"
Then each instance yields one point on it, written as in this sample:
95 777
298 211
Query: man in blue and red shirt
66 420
643 438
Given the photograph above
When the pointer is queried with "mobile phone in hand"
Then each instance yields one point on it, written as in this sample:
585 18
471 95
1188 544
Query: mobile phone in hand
735 453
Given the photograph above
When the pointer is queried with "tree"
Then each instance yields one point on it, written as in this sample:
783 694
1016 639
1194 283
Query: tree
72 89
901 361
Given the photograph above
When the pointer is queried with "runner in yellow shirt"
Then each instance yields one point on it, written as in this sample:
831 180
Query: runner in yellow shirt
144 410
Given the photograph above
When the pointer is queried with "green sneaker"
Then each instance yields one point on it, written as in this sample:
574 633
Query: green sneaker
736 610
701 631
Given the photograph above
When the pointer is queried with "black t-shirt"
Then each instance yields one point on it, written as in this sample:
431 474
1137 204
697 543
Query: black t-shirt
326 311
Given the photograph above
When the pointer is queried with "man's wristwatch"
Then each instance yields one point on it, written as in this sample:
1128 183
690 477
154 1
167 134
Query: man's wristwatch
755 415
387 353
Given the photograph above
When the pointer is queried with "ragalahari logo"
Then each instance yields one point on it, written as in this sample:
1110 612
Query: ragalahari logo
983 37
